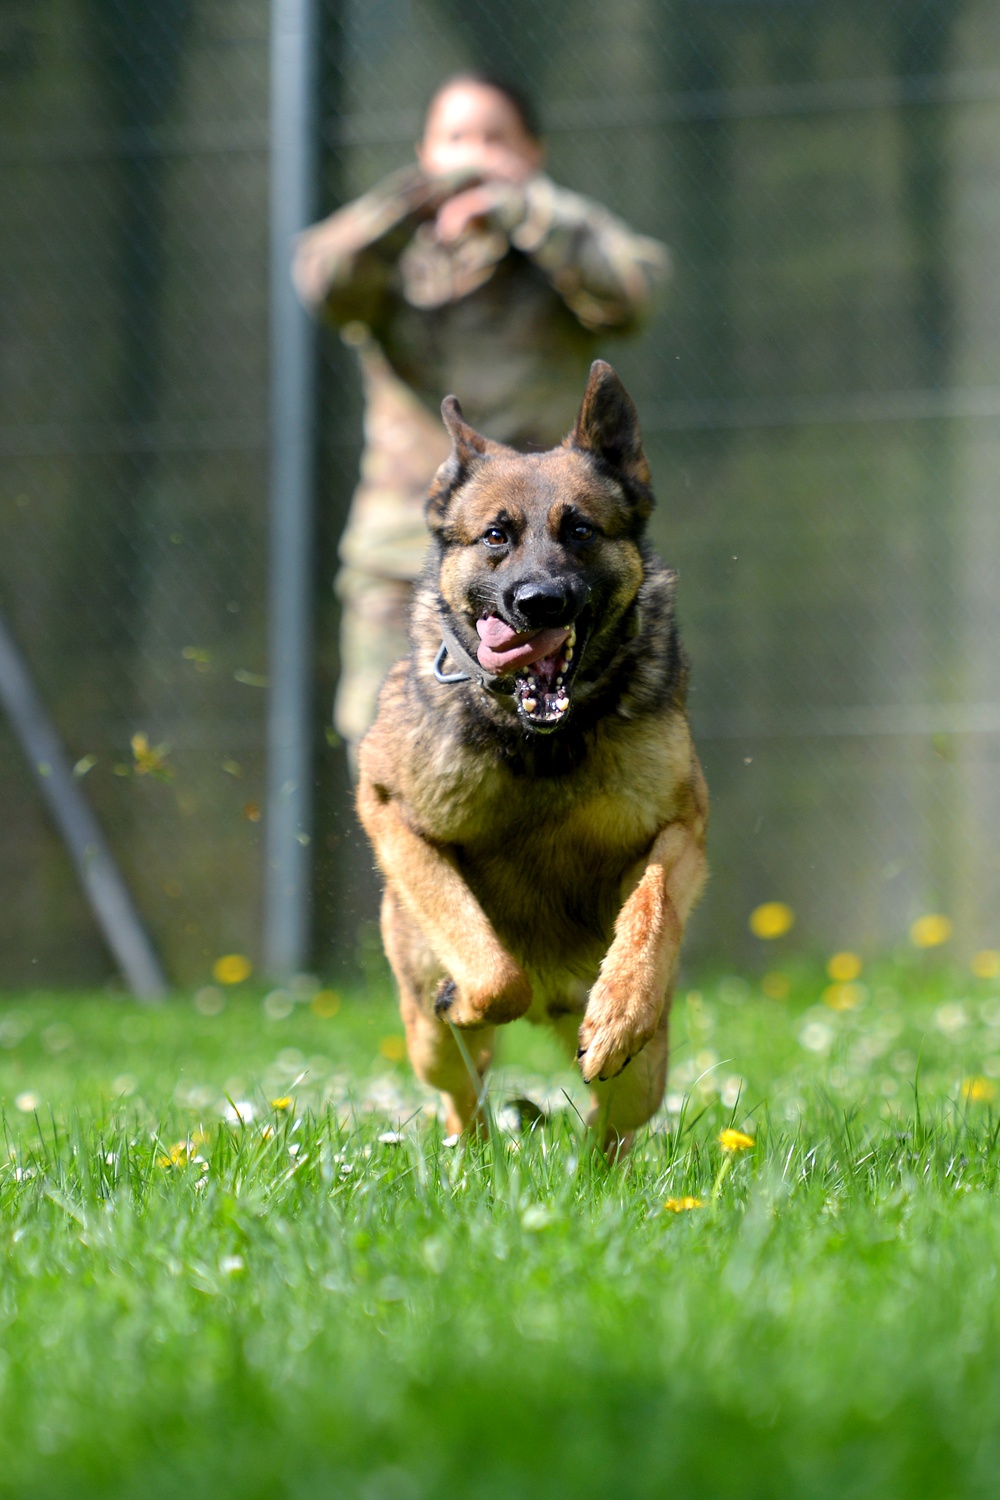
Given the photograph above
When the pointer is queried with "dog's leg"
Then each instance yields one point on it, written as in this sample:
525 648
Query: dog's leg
437 1060
626 1003
622 1104
483 984
435 1056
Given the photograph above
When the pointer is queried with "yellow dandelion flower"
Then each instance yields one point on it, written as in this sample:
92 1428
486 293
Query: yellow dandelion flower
325 1003
393 1048
843 967
844 996
150 760
931 931
979 1090
177 1156
986 964
681 1205
283 1104
776 986
771 920
732 1143
735 1140
232 968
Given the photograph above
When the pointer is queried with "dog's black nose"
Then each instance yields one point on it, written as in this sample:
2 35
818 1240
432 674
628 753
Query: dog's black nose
544 602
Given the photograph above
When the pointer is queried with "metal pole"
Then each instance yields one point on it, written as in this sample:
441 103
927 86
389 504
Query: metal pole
106 890
289 738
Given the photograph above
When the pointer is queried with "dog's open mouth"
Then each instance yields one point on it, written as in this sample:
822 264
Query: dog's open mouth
540 661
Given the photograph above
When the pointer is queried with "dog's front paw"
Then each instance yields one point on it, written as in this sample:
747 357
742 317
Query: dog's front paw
445 998
504 997
610 1036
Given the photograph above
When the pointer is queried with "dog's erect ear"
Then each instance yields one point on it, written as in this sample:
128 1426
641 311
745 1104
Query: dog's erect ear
608 425
466 442
468 448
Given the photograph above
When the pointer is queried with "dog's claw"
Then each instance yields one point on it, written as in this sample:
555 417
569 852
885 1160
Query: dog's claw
607 1077
602 1059
445 997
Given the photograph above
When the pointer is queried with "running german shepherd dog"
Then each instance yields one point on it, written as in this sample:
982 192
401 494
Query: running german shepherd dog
530 785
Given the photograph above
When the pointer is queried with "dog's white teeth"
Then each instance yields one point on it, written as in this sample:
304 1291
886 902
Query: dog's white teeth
562 704
571 639
559 682
568 655
529 705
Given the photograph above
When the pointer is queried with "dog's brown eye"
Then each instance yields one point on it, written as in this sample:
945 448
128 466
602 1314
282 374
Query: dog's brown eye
494 537
581 531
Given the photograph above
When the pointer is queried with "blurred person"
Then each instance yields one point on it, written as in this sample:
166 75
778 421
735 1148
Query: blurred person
470 272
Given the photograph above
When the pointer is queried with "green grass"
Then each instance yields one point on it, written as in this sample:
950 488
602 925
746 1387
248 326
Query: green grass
296 1303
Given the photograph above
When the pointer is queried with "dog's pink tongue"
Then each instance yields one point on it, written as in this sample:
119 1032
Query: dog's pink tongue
502 649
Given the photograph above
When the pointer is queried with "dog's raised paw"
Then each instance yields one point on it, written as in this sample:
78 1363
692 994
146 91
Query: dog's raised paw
502 996
445 997
606 1077
603 1054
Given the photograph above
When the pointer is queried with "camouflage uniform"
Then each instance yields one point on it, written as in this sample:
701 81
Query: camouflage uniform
508 317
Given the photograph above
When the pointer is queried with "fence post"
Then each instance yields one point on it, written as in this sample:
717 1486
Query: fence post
294 41
100 877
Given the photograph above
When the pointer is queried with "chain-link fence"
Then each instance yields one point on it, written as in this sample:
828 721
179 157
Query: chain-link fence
820 397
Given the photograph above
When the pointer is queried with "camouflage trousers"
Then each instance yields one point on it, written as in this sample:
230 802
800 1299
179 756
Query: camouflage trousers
372 639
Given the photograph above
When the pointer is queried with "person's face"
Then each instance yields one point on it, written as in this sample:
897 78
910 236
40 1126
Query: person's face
473 125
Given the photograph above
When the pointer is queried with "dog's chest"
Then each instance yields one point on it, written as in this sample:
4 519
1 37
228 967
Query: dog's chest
553 886
490 809
549 858
612 803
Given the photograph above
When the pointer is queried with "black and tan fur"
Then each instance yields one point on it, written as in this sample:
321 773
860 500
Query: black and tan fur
530 873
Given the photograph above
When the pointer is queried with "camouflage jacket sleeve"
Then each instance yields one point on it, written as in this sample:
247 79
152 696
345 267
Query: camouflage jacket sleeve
343 266
606 273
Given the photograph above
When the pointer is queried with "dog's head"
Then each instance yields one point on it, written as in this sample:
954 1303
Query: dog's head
540 553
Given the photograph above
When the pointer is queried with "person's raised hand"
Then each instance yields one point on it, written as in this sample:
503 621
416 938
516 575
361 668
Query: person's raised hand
458 214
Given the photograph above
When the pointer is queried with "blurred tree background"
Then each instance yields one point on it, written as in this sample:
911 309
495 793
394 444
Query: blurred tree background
820 396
